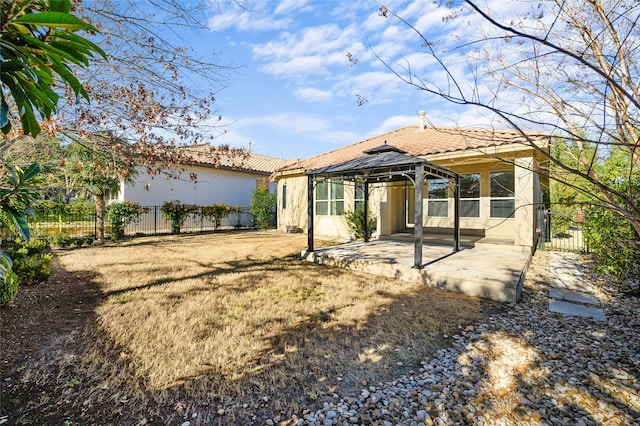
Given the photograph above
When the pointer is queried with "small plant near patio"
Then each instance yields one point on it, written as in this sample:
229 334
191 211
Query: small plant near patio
62 239
263 207
177 213
355 222
217 212
119 215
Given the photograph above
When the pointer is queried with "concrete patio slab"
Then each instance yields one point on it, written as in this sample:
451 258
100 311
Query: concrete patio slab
572 296
573 309
494 274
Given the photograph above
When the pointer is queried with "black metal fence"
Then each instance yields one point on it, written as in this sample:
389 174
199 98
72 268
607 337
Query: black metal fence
562 230
81 224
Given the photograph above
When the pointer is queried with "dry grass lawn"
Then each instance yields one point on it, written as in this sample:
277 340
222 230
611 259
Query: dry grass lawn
239 319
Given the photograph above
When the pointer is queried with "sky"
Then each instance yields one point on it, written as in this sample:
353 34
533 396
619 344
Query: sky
294 92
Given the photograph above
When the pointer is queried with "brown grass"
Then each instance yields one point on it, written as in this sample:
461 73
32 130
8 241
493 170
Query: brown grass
238 317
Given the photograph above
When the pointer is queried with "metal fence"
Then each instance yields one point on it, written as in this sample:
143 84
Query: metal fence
561 230
80 224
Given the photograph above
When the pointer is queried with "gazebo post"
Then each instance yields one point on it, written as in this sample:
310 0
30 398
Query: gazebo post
310 214
456 213
367 231
417 236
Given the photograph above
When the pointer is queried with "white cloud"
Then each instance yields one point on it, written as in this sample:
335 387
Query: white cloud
313 95
290 6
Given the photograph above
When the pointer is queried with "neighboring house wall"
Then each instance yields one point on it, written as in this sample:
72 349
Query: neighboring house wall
212 186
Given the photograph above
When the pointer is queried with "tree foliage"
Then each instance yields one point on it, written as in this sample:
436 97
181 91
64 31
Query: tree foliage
263 206
569 69
39 45
18 194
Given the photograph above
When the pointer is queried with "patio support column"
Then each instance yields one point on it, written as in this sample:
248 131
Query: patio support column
417 236
367 231
310 213
456 213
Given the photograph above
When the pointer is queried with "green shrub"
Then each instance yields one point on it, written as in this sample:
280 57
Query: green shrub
32 246
30 262
263 207
62 239
614 242
355 222
217 212
119 215
33 269
177 213
8 286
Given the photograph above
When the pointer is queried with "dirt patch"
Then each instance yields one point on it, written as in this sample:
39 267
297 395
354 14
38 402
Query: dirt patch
133 336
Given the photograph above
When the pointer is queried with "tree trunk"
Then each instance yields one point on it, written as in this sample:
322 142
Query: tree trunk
99 200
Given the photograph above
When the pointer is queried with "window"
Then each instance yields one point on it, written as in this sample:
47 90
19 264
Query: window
329 198
438 198
470 195
358 196
284 196
502 194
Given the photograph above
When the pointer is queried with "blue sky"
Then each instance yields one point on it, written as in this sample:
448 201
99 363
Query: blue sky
294 93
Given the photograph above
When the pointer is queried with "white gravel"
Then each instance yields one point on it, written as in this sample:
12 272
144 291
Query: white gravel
528 366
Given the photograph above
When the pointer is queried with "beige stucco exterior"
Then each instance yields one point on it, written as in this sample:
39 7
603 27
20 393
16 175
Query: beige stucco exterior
388 201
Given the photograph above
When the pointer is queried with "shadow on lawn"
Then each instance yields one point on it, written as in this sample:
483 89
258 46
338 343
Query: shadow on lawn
88 377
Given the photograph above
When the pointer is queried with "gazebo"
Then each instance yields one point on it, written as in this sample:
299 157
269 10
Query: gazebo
384 164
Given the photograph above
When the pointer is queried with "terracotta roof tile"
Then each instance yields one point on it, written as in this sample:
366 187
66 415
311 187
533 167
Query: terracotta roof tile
431 140
207 156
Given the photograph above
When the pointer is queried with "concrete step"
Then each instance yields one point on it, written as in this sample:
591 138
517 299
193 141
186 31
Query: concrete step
574 309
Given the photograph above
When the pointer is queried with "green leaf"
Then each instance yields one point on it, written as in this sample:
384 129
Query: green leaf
71 80
55 20
19 221
60 6
32 171
5 260
81 41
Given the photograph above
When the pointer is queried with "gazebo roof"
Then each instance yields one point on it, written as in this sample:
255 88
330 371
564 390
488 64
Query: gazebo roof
382 163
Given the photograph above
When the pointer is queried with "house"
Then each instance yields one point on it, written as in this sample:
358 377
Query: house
478 183
206 178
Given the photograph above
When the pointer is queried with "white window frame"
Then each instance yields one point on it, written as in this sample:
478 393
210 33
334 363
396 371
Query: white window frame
436 200
464 196
502 199
335 198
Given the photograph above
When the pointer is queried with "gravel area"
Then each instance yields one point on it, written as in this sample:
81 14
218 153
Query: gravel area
528 366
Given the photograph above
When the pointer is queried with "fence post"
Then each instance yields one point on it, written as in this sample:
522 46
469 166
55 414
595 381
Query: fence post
155 220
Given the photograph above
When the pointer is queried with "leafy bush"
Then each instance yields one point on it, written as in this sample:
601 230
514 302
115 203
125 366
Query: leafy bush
119 215
10 281
33 269
355 222
30 262
177 213
31 247
62 239
263 207
217 212
615 243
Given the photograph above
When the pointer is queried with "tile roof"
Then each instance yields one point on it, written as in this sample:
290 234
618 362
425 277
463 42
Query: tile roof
234 159
412 140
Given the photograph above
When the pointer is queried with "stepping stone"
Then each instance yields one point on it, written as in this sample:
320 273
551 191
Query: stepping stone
572 296
576 310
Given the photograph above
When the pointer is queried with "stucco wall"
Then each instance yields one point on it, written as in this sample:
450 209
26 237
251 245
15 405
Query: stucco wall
388 203
213 186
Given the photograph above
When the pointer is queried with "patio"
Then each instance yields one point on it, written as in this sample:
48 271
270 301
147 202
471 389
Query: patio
494 273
